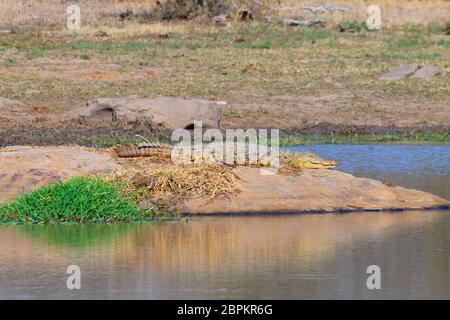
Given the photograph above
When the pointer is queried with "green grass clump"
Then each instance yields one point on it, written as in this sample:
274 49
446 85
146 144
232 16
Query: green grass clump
75 200
352 26
264 44
36 53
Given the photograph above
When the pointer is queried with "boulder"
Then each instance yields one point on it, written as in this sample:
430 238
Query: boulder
427 72
399 72
312 191
169 112
9 102
24 168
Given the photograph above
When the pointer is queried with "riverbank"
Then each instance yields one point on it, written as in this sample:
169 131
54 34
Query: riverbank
314 81
106 136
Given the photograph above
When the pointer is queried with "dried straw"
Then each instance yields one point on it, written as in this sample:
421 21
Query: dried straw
169 185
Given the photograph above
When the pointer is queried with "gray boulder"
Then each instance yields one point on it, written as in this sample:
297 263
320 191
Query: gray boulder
169 112
399 72
427 72
9 102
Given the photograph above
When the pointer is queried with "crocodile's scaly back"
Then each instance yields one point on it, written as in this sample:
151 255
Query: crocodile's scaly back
160 150
163 151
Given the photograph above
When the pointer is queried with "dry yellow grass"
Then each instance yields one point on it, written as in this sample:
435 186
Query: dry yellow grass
394 13
170 184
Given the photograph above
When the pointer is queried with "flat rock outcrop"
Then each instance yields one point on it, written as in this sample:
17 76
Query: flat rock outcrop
400 72
170 112
313 191
425 72
23 169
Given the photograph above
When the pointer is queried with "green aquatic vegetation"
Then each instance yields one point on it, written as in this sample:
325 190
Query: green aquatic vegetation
75 200
406 137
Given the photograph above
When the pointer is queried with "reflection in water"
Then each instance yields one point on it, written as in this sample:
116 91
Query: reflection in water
421 167
291 257
299 256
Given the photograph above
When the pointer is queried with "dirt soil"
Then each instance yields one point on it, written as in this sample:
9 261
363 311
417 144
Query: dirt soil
298 80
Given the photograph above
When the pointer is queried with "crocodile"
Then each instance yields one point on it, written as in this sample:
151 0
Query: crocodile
298 160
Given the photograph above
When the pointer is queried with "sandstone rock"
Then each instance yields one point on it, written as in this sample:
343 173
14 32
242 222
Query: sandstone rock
24 168
312 191
399 72
427 72
170 112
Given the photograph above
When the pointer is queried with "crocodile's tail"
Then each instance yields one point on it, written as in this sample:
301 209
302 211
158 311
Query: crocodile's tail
144 150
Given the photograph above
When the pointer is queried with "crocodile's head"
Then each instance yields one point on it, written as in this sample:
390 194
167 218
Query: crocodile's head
309 161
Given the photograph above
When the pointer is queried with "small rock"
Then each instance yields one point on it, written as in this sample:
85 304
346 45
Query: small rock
9 102
427 72
290 22
400 72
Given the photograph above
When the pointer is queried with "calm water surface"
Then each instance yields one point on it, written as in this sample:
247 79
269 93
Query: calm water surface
420 167
287 256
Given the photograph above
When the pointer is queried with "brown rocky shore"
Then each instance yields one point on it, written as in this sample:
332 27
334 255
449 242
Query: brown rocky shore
24 168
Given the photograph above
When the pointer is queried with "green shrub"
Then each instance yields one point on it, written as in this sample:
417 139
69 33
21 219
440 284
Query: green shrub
76 200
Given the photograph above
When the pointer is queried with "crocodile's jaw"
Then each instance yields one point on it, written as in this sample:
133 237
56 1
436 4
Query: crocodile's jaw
313 164
316 165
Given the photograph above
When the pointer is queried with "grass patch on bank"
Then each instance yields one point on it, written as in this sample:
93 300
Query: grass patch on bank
290 140
75 200
214 63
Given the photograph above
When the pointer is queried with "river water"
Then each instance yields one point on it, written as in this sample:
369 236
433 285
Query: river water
322 256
